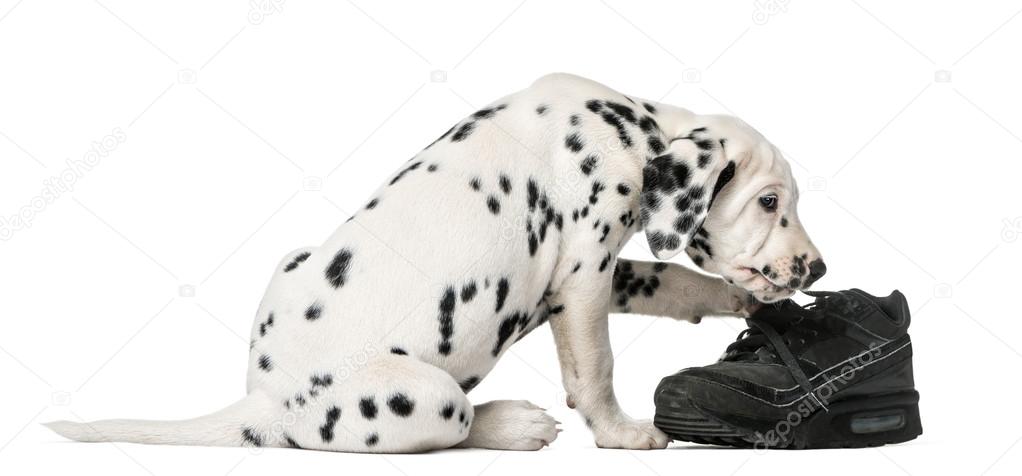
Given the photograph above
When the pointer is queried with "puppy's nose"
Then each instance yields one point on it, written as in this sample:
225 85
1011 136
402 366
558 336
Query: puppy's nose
816 271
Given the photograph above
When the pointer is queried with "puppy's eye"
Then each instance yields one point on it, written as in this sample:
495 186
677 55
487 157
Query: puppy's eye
768 202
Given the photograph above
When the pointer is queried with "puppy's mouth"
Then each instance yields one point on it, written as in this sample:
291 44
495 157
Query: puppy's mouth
761 286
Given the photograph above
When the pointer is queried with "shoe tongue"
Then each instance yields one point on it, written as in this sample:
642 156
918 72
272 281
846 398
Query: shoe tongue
780 315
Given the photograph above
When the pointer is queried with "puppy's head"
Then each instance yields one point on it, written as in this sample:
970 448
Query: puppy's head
726 196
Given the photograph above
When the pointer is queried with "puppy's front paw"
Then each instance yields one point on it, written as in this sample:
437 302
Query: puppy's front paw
630 434
743 303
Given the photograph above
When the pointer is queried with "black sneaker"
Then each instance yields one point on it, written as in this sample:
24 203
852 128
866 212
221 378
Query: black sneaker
836 373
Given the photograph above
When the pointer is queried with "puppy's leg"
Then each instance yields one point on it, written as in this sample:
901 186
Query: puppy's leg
394 404
587 364
670 290
510 425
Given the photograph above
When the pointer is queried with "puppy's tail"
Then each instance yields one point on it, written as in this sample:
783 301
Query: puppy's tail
249 421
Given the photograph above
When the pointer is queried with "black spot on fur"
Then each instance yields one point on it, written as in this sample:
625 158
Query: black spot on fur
400 405
663 241
326 432
703 160
372 204
725 176
574 120
623 189
594 105
447 411
578 265
532 194
367 405
655 145
404 171
468 384
446 318
701 244
506 329
622 110
589 163
336 272
398 351
604 262
463 132
502 289
249 436
372 439
493 204
648 125
265 325
597 188
684 223
488 113
505 184
468 291
698 260
474 183
265 363
622 132
323 381
704 144
664 174
290 442
541 109
314 311
649 107
573 142
784 222
628 284
431 168
299 258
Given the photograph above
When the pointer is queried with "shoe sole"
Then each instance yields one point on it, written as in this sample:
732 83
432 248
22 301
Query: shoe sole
851 423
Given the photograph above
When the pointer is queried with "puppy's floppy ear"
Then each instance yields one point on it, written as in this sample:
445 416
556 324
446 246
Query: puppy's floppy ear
678 188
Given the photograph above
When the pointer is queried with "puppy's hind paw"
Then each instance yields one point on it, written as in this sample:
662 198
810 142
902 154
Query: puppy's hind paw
511 425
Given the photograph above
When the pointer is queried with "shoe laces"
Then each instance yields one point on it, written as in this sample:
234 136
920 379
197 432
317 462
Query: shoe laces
774 328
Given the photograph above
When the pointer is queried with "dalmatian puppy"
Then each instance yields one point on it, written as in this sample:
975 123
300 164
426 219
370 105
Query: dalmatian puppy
511 219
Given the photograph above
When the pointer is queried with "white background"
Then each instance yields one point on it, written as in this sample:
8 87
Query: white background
247 131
